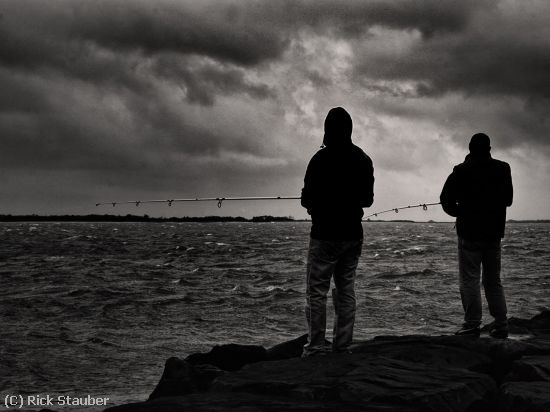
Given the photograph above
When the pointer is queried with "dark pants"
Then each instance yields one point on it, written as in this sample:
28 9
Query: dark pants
472 256
328 258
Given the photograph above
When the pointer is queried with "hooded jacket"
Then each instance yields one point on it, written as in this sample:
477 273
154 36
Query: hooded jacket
477 193
338 183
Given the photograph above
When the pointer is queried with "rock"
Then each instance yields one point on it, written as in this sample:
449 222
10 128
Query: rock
503 352
230 357
428 350
177 379
525 397
530 368
180 378
537 325
540 324
242 402
205 374
197 371
287 350
363 382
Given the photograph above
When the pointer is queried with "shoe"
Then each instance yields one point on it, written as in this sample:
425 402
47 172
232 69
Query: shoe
499 333
309 354
343 351
316 351
469 331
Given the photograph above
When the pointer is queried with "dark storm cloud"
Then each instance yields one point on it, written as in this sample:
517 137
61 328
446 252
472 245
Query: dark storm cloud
241 32
56 124
206 28
204 80
503 49
44 126
32 31
110 41
115 44
473 63
353 18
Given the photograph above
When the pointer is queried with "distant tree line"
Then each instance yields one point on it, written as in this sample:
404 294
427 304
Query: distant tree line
135 218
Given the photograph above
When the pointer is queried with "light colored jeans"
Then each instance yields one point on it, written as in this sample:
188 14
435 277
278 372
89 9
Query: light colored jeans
472 256
326 259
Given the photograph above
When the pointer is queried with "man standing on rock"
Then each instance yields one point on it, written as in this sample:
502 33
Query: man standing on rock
477 193
337 186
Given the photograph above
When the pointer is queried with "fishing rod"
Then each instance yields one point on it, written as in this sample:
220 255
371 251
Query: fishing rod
220 200
424 207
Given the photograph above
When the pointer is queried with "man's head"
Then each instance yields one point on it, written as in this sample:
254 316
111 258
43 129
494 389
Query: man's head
338 127
480 143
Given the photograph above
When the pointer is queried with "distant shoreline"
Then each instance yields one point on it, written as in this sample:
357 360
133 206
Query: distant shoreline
147 218
143 218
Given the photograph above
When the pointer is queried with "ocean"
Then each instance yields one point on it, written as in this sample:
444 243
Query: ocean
97 308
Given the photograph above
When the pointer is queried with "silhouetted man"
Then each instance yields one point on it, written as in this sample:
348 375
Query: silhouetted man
477 193
338 185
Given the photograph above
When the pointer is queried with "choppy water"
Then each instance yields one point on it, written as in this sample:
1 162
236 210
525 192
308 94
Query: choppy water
97 308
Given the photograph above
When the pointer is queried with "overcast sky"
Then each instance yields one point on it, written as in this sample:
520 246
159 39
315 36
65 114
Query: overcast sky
127 99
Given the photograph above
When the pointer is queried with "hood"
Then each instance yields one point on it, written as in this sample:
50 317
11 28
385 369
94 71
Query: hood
338 127
480 143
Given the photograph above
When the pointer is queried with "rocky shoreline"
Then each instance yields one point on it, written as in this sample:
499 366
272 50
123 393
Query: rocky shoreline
387 373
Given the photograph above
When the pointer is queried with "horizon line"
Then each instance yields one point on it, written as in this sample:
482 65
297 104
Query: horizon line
258 218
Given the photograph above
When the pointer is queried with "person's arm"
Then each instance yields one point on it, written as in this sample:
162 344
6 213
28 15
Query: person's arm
307 198
508 187
448 197
367 191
